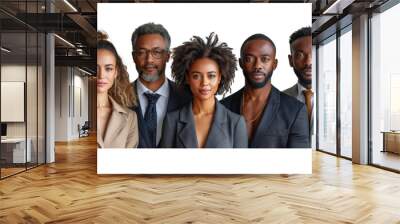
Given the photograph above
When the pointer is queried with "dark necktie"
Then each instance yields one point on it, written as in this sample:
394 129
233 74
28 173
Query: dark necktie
151 117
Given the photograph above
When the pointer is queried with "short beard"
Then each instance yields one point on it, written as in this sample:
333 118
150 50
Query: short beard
150 78
302 81
258 85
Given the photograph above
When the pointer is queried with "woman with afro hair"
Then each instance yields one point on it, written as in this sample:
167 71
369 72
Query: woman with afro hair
207 68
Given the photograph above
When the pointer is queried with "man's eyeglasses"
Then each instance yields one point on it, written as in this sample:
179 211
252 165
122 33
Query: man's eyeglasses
155 53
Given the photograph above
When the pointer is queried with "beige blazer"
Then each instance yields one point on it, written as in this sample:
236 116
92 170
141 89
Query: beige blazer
122 129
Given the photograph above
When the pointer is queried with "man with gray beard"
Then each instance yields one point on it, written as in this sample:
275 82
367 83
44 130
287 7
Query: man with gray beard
157 95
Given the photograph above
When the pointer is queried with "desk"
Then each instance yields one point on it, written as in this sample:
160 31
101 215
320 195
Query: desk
391 141
15 148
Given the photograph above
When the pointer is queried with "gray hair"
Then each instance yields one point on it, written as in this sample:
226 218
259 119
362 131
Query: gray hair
151 28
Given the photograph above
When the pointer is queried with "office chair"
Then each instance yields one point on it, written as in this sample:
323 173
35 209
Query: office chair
84 130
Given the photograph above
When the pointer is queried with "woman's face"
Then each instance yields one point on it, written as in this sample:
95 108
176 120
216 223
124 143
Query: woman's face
106 70
203 78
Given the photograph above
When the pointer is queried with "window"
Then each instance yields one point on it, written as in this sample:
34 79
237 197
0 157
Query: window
346 75
385 89
327 95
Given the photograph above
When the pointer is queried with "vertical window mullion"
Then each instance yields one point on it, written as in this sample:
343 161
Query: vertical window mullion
317 98
338 98
26 86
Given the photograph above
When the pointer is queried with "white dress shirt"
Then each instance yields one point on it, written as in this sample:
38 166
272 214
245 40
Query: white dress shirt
161 105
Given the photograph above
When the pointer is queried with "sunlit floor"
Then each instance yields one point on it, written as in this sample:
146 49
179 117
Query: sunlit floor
5 172
11 169
386 159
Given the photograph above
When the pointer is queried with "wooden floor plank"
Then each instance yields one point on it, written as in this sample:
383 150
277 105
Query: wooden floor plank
70 191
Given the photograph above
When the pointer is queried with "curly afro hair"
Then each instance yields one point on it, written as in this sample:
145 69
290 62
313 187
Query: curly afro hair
185 54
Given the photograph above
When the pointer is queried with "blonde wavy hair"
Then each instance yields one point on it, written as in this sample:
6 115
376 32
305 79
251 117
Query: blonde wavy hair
121 90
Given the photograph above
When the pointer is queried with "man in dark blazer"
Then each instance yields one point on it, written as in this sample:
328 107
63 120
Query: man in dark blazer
156 94
273 119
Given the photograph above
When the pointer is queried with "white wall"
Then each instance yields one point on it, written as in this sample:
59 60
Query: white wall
16 73
82 83
80 100
69 82
33 126
61 103
232 22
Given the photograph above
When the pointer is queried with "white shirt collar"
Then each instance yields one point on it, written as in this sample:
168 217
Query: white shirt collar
300 88
163 90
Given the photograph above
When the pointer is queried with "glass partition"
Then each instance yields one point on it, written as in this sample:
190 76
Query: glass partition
31 99
41 110
13 95
22 78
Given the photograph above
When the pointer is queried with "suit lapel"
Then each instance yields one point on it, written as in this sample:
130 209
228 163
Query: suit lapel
144 138
138 108
236 101
114 126
217 134
268 115
186 128
177 97
173 97
294 90
100 142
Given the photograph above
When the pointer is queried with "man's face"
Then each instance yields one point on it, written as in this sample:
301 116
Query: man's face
150 56
301 59
258 62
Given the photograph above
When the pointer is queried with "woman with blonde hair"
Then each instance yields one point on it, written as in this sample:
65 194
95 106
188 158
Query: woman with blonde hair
117 125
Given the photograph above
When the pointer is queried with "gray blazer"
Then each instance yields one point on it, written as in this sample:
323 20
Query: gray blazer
294 91
228 129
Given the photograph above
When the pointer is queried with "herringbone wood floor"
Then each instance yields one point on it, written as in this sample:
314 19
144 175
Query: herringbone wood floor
70 191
